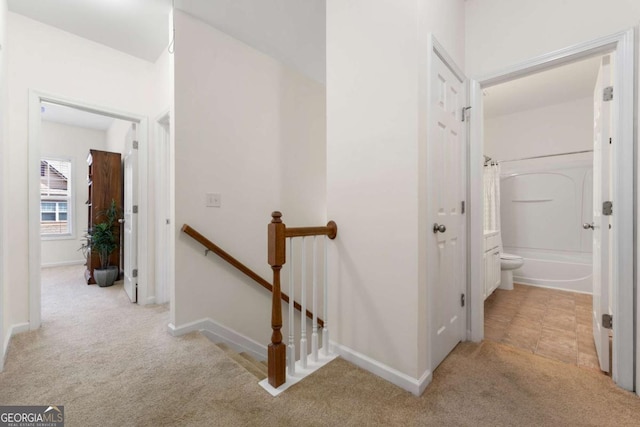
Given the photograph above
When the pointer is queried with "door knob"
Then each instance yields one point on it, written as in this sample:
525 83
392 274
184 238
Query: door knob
441 228
587 226
121 220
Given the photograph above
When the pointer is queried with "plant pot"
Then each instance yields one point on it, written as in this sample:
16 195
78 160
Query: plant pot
106 277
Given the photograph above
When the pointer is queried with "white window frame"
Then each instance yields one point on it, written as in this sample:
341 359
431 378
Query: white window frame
57 211
70 198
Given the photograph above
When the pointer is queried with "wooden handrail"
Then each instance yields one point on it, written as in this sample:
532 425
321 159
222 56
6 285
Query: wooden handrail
278 234
331 231
240 266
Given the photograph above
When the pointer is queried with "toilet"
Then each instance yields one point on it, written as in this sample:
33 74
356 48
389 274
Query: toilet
508 263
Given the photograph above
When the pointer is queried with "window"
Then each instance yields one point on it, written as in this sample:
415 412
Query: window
55 197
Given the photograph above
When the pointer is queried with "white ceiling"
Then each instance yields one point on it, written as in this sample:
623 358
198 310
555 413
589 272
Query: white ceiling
137 27
73 117
291 31
569 82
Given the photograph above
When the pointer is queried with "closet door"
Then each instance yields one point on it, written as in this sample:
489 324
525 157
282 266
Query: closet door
446 191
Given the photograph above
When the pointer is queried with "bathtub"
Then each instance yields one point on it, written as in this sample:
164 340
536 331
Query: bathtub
564 271
543 206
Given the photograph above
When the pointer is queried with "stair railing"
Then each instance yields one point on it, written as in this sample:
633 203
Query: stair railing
212 247
279 233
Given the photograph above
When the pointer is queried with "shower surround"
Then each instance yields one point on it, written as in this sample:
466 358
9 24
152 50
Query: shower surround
544 203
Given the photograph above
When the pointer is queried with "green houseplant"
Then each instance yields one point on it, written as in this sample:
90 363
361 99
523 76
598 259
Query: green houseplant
102 239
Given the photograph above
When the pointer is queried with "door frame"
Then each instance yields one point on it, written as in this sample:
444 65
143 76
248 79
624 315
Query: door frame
163 205
624 255
435 48
34 153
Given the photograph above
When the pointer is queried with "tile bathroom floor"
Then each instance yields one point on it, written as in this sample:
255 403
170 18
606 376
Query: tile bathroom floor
550 323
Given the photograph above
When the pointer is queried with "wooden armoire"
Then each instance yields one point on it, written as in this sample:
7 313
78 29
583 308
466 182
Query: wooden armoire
105 184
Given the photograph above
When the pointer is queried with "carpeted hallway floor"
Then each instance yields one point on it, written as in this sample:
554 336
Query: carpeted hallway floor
112 363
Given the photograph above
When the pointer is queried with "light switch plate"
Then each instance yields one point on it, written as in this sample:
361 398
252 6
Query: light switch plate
213 200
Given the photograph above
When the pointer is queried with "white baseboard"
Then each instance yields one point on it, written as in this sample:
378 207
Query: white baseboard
5 347
402 380
150 300
20 327
63 263
574 289
220 333
14 329
240 343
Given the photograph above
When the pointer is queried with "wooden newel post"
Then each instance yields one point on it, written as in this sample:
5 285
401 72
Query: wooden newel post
277 350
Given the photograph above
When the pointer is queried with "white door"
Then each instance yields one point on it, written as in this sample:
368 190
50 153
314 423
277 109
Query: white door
130 214
601 223
446 191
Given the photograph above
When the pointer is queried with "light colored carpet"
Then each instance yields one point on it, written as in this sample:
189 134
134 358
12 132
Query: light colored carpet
112 363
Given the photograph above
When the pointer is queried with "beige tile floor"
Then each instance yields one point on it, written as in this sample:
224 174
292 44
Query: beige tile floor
546 322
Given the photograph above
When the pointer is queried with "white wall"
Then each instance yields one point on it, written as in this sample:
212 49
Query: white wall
161 91
70 142
4 306
243 124
52 61
551 129
446 20
501 33
303 171
116 135
376 135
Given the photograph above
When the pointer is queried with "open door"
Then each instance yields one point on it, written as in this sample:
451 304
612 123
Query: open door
130 219
601 212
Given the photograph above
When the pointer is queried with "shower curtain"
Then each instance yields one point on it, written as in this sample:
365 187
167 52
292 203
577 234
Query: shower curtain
492 197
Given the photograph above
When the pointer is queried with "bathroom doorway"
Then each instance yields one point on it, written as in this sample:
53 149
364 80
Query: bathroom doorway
538 139
621 292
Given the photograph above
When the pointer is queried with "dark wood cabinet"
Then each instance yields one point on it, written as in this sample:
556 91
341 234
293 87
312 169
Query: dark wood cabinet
105 184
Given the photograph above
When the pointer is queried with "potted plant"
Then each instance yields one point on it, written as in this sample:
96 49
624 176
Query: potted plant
102 239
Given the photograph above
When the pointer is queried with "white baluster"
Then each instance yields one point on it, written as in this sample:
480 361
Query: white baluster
291 360
325 303
303 311
314 304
